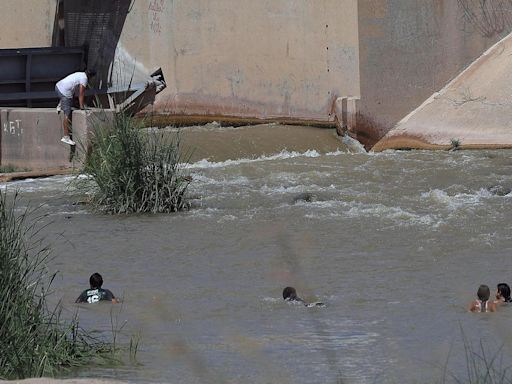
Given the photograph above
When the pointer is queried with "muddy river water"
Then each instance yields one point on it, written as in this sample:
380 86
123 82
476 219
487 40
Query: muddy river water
396 245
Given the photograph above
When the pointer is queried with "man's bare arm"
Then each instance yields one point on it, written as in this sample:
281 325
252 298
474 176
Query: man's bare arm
81 96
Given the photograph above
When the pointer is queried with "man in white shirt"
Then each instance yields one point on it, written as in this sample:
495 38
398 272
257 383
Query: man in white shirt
67 88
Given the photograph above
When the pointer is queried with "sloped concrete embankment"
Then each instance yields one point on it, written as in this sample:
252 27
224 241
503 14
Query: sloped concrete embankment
473 111
30 138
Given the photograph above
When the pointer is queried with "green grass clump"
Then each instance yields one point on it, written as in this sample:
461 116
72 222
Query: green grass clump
34 341
135 170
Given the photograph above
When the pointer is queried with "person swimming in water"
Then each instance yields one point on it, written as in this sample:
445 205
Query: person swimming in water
482 304
96 293
290 294
502 294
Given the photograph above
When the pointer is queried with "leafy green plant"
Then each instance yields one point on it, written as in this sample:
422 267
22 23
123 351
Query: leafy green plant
34 340
135 170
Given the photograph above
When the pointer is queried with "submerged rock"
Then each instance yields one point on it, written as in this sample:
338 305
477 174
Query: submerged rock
499 190
306 197
194 202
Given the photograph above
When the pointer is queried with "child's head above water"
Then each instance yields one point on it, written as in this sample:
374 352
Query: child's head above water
96 281
483 292
503 291
290 294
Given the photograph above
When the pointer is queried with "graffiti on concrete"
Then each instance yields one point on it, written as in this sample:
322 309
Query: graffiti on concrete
156 8
13 127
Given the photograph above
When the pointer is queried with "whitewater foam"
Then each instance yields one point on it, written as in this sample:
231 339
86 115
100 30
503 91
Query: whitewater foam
203 179
266 189
457 200
283 155
40 184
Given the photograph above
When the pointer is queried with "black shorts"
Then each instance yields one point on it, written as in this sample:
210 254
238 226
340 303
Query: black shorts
65 103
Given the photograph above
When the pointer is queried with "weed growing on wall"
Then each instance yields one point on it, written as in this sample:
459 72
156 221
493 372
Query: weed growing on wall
135 170
454 144
34 341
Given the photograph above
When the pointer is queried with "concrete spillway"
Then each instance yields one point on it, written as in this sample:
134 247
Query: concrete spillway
474 110
360 65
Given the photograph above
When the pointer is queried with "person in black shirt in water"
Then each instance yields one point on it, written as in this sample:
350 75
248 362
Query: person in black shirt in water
96 293
290 294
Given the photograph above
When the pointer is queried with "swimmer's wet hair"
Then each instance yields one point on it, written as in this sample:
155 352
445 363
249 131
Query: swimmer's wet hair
483 292
96 281
289 293
504 290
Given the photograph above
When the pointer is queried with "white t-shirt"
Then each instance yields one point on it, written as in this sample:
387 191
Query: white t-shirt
69 85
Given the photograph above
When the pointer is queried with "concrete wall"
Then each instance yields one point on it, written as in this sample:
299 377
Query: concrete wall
292 59
409 49
27 23
30 137
278 59
474 110
245 58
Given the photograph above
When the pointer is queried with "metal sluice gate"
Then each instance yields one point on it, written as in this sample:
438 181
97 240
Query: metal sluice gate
28 77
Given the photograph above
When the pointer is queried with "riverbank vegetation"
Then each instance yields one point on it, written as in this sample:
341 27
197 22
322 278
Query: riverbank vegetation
34 340
136 170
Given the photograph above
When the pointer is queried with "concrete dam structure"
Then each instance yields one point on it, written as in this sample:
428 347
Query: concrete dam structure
360 65
472 111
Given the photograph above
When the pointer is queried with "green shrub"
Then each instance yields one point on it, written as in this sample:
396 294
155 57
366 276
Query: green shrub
34 341
134 170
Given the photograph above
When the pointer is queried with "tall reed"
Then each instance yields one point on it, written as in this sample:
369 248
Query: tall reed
484 366
34 341
135 170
